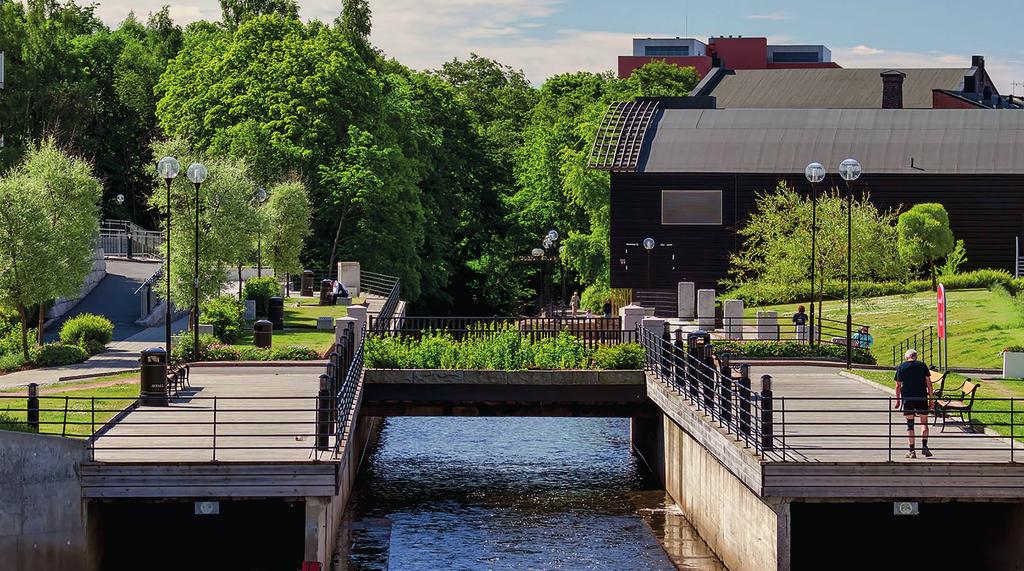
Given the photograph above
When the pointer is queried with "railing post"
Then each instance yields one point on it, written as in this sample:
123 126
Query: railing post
214 428
745 400
323 415
666 353
725 397
1013 423
767 428
32 407
678 357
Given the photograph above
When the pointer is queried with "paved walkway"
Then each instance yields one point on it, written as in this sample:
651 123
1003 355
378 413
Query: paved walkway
832 418
262 414
114 298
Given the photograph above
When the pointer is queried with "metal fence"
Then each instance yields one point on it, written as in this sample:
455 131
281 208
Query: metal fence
782 328
923 342
127 239
590 331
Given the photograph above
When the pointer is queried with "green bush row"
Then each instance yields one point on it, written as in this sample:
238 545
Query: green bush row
774 294
790 349
261 290
505 349
57 355
225 314
88 331
212 350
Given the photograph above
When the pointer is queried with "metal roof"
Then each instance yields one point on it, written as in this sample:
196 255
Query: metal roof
934 141
829 88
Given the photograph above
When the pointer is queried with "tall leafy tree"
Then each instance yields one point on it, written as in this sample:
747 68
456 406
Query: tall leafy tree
234 12
924 236
288 213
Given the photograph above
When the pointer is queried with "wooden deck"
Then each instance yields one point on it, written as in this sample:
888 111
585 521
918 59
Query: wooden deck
263 414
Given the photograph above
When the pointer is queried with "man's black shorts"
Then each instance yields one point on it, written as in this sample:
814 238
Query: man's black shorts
915 406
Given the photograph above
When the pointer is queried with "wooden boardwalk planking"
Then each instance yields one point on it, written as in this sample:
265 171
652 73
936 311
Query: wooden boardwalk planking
275 426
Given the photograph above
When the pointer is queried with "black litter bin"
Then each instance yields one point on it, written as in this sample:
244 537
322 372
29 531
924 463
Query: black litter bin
153 377
307 283
276 312
263 334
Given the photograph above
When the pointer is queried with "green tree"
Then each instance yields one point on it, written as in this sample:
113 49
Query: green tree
924 235
288 213
234 12
49 217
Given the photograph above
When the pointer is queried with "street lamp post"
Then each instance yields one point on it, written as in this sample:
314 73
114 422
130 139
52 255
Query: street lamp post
196 173
261 197
549 245
539 254
850 170
168 168
649 245
815 173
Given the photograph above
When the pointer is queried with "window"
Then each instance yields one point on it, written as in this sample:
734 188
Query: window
691 207
795 57
666 50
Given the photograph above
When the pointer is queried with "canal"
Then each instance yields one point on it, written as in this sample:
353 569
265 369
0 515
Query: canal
513 493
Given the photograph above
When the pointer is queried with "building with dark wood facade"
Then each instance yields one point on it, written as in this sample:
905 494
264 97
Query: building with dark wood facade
688 177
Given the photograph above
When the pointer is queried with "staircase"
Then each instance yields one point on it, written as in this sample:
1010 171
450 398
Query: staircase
664 301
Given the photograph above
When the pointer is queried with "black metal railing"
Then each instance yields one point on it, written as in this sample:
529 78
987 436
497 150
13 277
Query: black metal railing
590 331
923 342
782 328
377 284
712 386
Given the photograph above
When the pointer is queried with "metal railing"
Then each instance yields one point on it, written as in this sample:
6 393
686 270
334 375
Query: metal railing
923 342
377 284
751 328
590 331
713 387
125 238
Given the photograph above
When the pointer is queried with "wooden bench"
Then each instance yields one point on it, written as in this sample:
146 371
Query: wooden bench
961 405
177 379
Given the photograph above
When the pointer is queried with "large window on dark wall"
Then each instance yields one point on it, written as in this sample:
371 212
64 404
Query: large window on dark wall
691 207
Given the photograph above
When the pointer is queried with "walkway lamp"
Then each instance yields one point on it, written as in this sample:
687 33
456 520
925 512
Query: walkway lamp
649 245
815 173
168 168
850 170
119 199
196 173
261 197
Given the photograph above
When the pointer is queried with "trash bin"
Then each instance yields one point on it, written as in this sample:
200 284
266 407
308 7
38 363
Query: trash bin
275 312
700 365
307 283
263 334
153 377
326 292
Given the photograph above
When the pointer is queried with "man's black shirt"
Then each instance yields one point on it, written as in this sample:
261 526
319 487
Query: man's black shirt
913 375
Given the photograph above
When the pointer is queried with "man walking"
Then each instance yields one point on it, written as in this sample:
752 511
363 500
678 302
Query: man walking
913 394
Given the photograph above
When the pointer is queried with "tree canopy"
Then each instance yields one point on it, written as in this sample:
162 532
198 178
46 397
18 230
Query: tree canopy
924 236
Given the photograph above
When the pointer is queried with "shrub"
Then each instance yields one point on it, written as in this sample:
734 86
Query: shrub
1013 349
293 353
91 332
219 352
619 357
225 314
261 290
253 354
565 351
764 349
182 351
11 361
57 354
12 424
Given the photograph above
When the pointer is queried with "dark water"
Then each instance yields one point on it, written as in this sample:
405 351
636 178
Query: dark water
512 493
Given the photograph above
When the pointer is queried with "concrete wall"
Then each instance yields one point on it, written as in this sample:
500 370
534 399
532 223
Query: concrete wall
42 526
99 271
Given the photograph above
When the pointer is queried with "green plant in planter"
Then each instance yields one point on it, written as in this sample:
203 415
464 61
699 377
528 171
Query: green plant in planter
619 357
91 332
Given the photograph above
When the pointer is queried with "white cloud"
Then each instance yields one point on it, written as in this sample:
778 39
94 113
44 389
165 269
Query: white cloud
773 16
1004 71
863 50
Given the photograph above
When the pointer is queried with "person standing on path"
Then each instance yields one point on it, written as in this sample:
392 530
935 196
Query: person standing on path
914 394
574 303
800 324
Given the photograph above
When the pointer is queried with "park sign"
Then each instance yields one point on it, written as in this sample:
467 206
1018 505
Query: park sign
942 311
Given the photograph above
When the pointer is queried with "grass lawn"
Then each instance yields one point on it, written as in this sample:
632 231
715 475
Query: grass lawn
993 414
980 322
300 325
80 417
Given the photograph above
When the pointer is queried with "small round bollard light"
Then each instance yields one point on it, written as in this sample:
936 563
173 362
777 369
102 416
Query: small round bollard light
537 252
261 194
197 173
553 235
648 244
850 170
119 199
815 172
168 168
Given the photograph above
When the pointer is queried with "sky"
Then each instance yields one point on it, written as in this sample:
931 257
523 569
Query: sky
545 37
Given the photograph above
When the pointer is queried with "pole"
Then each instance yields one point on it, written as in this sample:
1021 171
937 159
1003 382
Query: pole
259 253
814 235
195 286
849 276
167 271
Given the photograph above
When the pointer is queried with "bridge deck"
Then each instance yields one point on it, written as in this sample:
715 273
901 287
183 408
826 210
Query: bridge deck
832 418
263 414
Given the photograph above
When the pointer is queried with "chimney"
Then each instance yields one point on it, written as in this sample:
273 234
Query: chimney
892 89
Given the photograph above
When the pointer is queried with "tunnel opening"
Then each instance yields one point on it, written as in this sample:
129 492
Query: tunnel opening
946 535
251 535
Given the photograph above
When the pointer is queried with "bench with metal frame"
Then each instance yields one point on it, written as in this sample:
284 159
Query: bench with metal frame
961 405
177 379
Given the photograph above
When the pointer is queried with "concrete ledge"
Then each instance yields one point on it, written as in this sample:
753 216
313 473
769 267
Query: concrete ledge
490 377
203 364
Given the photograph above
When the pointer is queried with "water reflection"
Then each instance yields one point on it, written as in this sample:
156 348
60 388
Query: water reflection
505 493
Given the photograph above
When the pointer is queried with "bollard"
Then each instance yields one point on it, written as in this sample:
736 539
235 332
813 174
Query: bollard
307 284
32 412
679 364
666 353
323 414
766 413
745 399
263 334
725 393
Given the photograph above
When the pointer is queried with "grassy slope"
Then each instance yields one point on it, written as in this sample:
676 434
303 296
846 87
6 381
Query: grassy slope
80 417
300 325
980 322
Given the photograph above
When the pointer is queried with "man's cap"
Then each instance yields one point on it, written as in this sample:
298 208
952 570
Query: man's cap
910 354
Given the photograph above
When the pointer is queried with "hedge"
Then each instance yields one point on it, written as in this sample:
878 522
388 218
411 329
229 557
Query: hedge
57 355
790 349
88 331
212 350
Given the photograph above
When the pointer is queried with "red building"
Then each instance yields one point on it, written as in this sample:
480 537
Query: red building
725 52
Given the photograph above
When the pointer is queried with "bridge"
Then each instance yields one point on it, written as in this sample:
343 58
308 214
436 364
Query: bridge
758 457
